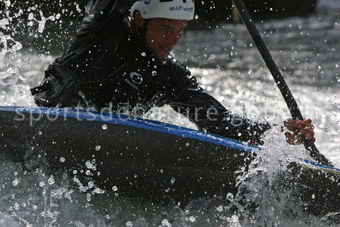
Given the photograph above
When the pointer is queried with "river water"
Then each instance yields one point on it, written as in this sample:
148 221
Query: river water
228 66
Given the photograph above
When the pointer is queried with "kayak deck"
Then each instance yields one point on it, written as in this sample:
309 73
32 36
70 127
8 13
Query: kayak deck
147 159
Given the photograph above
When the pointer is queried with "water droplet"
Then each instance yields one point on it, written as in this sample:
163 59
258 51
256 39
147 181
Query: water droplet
8 3
98 147
15 182
114 188
62 159
191 219
51 181
143 54
89 165
104 127
42 184
230 196
219 208
165 222
16 206
153 73
90 184
88 197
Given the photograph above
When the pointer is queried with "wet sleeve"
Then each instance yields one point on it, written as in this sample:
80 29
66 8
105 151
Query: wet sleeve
103 13
210 116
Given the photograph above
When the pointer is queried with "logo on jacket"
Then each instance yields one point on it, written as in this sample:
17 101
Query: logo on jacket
135 79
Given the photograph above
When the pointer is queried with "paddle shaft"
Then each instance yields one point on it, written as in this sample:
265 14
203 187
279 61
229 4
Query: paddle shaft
285 91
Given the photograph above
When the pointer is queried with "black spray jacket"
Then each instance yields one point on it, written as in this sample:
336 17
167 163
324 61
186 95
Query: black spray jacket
108 65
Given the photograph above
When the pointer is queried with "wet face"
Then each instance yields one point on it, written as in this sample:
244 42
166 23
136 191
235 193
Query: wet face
162 35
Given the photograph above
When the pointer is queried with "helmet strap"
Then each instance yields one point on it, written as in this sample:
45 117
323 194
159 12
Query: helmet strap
144 28
141 31
141 36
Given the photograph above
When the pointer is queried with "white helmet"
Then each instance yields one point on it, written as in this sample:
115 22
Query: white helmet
169 9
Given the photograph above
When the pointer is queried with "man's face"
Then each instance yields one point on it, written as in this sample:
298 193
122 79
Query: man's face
162 35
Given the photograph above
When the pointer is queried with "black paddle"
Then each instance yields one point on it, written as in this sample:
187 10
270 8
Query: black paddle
286 93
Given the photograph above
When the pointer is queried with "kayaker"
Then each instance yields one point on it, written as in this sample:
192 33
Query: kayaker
120 59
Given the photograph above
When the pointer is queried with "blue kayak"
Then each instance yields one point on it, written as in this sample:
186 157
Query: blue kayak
147 159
